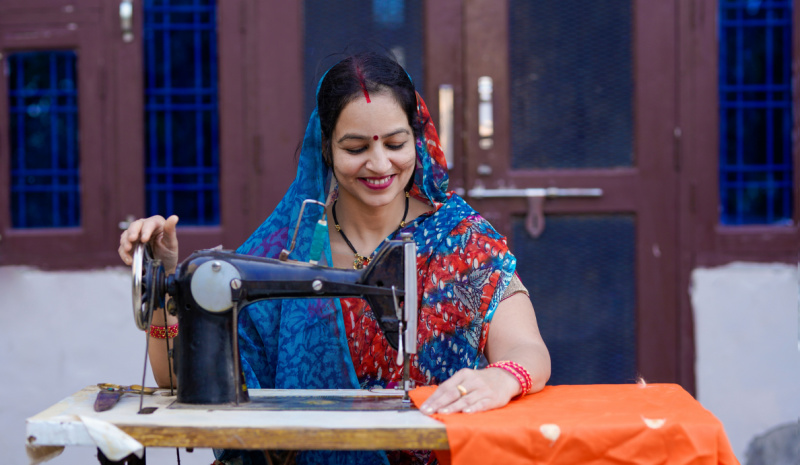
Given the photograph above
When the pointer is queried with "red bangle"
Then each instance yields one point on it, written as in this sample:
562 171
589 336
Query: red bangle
164 332
519 372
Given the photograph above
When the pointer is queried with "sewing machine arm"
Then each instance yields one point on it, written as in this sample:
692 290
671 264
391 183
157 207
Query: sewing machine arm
216 280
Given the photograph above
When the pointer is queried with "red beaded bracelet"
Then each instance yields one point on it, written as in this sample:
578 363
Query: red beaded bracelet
519 372
163 332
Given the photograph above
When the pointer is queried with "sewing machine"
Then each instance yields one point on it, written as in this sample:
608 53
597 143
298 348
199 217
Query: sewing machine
209 288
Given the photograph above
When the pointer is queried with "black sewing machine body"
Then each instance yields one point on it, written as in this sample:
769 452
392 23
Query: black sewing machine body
210 287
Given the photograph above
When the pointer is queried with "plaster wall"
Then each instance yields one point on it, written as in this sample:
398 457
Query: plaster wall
62 331
748 362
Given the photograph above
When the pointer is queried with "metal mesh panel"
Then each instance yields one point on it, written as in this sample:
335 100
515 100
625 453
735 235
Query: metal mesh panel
181 110
580 274
755 97
335 28
571 83
43 104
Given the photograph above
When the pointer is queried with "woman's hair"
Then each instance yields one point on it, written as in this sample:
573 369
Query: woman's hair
363 74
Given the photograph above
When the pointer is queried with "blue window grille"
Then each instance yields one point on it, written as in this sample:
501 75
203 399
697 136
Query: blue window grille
181 110
43 106
755 95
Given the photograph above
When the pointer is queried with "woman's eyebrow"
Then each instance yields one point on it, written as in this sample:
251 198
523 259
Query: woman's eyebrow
352 136
362 137
395 132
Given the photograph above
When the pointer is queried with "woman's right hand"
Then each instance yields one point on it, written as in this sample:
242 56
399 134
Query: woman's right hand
157 231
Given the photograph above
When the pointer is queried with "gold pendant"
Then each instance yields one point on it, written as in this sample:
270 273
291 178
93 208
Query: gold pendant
359 261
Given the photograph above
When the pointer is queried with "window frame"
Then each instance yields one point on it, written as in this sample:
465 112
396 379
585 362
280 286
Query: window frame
258 106
130 144
57 247
704 237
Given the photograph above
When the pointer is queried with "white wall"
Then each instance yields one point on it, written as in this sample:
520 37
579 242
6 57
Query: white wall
62 331
748 363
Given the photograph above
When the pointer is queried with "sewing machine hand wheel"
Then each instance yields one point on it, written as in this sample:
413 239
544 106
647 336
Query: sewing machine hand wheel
148 285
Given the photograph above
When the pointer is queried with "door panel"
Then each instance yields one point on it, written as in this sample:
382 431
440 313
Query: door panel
580 274
571 84
583 97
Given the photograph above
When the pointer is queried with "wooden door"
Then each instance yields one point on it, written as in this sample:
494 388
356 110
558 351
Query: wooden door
570 95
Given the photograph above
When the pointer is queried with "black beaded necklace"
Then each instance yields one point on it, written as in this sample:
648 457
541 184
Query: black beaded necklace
359 261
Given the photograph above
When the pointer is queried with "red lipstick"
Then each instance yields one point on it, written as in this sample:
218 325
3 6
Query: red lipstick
379 186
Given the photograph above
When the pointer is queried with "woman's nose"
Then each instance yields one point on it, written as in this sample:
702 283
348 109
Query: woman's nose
379 159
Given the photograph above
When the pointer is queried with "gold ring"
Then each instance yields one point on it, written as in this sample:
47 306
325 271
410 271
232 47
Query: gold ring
462 390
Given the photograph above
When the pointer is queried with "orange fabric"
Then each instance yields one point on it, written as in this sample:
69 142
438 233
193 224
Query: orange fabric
588 424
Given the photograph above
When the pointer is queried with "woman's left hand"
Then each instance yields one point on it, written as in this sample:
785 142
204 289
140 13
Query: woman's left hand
472 391
514 335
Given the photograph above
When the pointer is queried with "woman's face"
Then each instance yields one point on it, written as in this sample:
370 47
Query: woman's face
373 150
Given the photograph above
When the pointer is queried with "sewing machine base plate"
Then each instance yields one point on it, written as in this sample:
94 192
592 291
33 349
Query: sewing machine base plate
347 403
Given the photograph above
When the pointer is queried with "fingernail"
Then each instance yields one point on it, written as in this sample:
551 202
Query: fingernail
446 410
427 409
467 410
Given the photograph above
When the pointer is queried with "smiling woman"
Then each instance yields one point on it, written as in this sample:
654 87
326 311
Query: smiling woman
371 154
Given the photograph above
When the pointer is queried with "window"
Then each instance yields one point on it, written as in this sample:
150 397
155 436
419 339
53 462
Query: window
734 150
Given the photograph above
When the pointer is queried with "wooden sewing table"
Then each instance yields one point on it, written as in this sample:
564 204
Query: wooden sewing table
60 425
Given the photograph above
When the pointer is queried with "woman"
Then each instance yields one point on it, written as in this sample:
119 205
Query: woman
371 153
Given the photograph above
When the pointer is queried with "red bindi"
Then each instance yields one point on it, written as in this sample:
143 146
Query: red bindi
374 137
